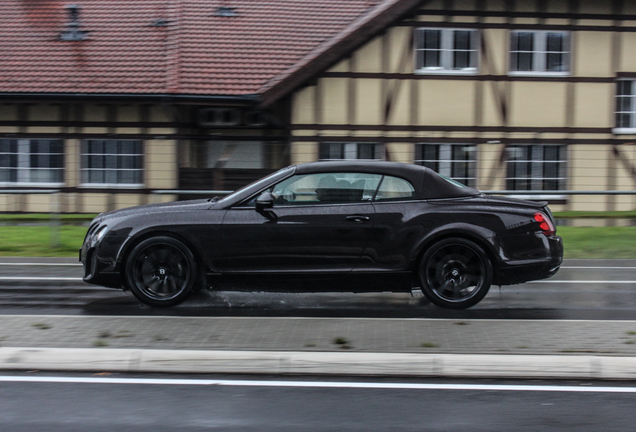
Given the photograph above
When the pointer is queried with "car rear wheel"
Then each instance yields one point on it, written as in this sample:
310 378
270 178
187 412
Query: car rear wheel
161 271
455 273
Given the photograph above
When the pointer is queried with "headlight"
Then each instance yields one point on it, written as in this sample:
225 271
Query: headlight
99 235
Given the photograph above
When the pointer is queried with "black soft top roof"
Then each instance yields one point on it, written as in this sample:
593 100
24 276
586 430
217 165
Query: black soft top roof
427 183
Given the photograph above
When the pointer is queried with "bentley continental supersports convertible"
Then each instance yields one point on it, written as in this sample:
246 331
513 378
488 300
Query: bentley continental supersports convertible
348 226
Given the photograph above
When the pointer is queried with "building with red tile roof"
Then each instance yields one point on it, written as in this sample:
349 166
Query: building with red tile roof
163 47
117 103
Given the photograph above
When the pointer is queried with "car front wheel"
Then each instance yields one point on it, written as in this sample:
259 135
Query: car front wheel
161 271
455 273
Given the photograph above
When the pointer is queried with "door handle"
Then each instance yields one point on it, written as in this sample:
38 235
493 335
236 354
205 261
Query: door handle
357 218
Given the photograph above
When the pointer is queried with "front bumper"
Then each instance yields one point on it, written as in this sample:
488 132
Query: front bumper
100 261
515 272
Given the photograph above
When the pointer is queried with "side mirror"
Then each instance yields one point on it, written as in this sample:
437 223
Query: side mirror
265 200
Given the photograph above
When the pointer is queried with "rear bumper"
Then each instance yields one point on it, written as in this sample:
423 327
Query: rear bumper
515 272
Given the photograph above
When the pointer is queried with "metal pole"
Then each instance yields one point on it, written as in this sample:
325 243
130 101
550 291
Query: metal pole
55 223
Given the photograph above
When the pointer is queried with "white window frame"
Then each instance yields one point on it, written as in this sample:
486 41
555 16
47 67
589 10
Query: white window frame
446 52
445 161
24 164
84 154
632 110
540 54
351 150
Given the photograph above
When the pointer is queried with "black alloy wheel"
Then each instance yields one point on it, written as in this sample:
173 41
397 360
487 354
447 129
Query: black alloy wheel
161 271
455 273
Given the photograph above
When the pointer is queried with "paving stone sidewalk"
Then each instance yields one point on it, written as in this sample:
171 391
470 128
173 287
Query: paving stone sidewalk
382 335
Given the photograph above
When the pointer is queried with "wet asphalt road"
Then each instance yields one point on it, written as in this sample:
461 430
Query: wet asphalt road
170 402
583 289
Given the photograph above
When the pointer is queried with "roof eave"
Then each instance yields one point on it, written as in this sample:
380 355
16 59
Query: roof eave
330 52
248 99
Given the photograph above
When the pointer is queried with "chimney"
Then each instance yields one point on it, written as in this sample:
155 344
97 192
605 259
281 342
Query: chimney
72 32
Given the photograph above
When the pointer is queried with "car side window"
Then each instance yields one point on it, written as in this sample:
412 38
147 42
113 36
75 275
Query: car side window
394 188
326 188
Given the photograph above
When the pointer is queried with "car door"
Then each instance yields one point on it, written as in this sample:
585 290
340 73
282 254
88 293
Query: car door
318 223
401 222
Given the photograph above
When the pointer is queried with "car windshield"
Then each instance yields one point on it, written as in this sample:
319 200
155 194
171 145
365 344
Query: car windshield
263 181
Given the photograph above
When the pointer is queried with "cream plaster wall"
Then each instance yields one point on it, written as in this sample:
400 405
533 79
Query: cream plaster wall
592 54
594 105
401 105
368 102
400 54
588 166
161 171
304 102
401 152
446 102
538 104
369 57
497 41
491 176
335 100
72 175
628 48
304 152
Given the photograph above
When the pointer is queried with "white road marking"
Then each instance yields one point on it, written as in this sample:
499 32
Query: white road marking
316 384
583 282
39 264
598 267
35 278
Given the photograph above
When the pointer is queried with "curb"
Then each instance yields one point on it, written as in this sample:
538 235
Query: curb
318 363
31 281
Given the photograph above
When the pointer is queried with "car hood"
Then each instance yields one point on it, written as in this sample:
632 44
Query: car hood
176 206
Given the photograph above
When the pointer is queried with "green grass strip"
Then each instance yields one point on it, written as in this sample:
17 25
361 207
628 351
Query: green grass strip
599 242
35 241
595 214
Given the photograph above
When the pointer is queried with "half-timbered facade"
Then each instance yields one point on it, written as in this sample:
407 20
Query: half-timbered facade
535 97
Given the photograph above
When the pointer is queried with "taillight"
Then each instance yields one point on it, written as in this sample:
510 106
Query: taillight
545 224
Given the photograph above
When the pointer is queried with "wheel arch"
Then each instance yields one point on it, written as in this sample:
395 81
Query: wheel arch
484 239
141 236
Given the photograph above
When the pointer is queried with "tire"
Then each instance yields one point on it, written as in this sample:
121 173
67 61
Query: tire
161 271
455 273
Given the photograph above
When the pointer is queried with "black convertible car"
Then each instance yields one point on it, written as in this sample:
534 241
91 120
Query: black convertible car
327 226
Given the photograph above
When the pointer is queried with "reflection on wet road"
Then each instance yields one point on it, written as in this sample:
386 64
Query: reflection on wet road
583 289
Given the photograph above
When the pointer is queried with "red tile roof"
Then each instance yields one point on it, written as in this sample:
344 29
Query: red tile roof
196 53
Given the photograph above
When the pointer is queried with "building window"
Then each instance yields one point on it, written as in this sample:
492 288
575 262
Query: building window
457 161
31 161
540 52
536 167
236 154
446 50
625 106
112 162
336 151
